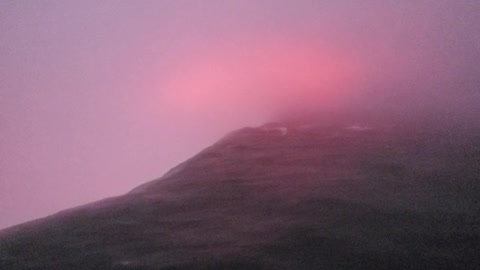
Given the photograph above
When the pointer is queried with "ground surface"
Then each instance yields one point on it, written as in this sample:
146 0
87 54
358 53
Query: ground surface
281 196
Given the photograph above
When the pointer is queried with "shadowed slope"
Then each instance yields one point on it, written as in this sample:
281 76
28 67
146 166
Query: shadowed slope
281 196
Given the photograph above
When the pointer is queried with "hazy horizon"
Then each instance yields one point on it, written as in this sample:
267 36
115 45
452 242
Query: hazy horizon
98 97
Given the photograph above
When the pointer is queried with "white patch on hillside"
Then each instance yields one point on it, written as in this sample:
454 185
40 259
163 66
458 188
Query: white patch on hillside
357 127
283 130
125 263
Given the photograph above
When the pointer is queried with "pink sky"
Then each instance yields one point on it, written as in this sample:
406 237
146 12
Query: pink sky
98 97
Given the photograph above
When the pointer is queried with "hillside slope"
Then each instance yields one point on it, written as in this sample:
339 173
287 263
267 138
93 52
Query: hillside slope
281 196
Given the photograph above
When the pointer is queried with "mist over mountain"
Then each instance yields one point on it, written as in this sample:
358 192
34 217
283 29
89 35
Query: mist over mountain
297 194
369 158
96 97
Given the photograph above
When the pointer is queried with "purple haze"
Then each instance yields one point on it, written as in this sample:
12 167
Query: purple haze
89 89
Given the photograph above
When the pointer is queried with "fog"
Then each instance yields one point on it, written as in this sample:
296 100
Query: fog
99 97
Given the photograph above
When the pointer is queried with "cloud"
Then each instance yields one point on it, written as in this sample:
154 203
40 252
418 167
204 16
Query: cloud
260 76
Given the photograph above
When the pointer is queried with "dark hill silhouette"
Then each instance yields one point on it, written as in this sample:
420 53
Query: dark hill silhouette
281 196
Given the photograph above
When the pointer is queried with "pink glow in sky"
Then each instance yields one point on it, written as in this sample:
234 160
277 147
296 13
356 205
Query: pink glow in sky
98 97
259 76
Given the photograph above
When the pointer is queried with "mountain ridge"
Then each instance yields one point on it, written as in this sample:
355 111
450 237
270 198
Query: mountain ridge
280 196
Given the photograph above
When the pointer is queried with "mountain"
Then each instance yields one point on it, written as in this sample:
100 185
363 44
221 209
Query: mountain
282 196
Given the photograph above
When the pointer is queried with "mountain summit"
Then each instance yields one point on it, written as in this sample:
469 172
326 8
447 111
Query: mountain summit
281 196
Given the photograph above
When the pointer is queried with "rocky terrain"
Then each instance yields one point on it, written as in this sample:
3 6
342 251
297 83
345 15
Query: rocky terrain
281 196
